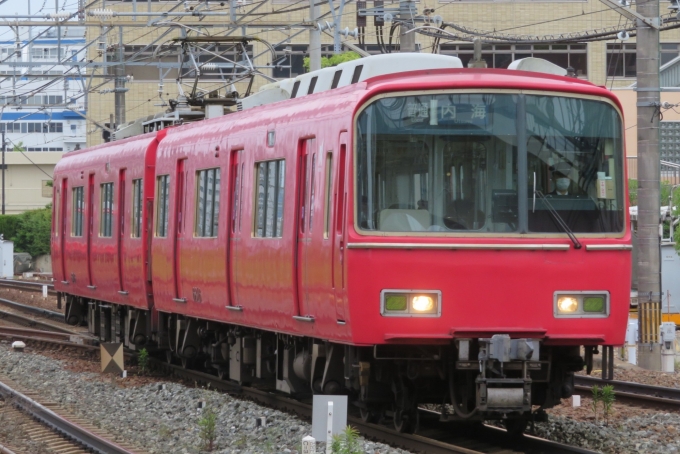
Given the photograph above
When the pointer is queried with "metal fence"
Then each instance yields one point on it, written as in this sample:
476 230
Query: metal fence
670 171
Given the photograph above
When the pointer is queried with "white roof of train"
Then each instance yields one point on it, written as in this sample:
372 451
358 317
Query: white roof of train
346 74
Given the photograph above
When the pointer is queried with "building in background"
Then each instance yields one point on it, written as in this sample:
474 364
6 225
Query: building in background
42 112
506 24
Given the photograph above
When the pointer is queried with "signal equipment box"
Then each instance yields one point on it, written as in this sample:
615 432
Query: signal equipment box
6 259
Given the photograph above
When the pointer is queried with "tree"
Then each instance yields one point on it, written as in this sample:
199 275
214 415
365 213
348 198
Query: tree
333 60
19 146
33 232
9 226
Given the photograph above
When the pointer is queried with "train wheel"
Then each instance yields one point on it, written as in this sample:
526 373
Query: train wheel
168 356
405 408
187 363
406 421
516 426
368 415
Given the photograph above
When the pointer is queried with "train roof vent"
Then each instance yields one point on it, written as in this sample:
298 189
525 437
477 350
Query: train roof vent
346 74
537 65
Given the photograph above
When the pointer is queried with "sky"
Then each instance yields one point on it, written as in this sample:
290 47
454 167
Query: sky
41 7
38 8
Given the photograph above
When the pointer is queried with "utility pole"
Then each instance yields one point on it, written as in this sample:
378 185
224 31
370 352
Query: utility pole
119 84
4 145
314 38
477 60
648 104
407 12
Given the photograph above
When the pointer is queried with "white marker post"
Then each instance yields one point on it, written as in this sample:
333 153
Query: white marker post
309 445
329 428
44 291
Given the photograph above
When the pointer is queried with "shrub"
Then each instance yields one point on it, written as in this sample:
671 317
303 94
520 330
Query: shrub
33 232
347 443
208 428
333 60
143 360
9 226
597 398
608 397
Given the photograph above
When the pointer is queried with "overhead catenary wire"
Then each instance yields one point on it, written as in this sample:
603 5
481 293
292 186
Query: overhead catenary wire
251 17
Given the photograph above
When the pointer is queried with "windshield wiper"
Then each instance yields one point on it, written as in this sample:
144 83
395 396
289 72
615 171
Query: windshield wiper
558 218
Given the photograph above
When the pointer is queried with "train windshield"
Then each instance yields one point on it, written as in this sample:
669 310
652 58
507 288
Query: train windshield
489 163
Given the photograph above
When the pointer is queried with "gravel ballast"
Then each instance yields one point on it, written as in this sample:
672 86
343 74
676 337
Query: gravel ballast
164 417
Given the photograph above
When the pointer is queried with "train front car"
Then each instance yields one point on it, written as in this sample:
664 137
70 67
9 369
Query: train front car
490 241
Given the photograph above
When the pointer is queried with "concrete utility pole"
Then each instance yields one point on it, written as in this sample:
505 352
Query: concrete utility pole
119 85
407 41
477 60
648 103
4 145
314 38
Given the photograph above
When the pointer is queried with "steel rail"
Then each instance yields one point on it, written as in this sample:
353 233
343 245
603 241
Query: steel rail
53 315
15 333
633 392
25 321
78 433
27 285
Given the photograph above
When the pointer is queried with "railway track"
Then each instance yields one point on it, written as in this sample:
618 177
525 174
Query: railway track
27 285
33 310
29 429
33 323
634 393
60 431
434 438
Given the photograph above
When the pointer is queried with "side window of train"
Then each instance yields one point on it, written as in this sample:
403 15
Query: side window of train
106 210
136 231
78 209
207 202
270 177
162 204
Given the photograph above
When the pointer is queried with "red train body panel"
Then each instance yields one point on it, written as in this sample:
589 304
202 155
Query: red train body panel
323 272
115 265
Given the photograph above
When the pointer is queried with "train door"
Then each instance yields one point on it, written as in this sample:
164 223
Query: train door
304 237
234 230
121 231
338 235
62 194
180 222
90 229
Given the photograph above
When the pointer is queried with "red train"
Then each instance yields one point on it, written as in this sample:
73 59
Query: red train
441 235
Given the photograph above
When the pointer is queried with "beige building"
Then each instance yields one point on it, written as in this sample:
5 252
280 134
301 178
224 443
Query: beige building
610 63
28 180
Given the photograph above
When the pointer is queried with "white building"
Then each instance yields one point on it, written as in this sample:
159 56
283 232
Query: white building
40 111
40 108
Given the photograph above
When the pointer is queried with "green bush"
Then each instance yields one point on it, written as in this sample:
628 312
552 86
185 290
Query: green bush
32 234
347 442
632 192
333 60
9 226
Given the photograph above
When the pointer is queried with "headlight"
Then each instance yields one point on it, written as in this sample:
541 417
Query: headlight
422 303
411 303
581 304
567 304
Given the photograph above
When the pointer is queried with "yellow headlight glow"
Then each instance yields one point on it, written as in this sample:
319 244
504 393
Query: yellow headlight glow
422 303
567 304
